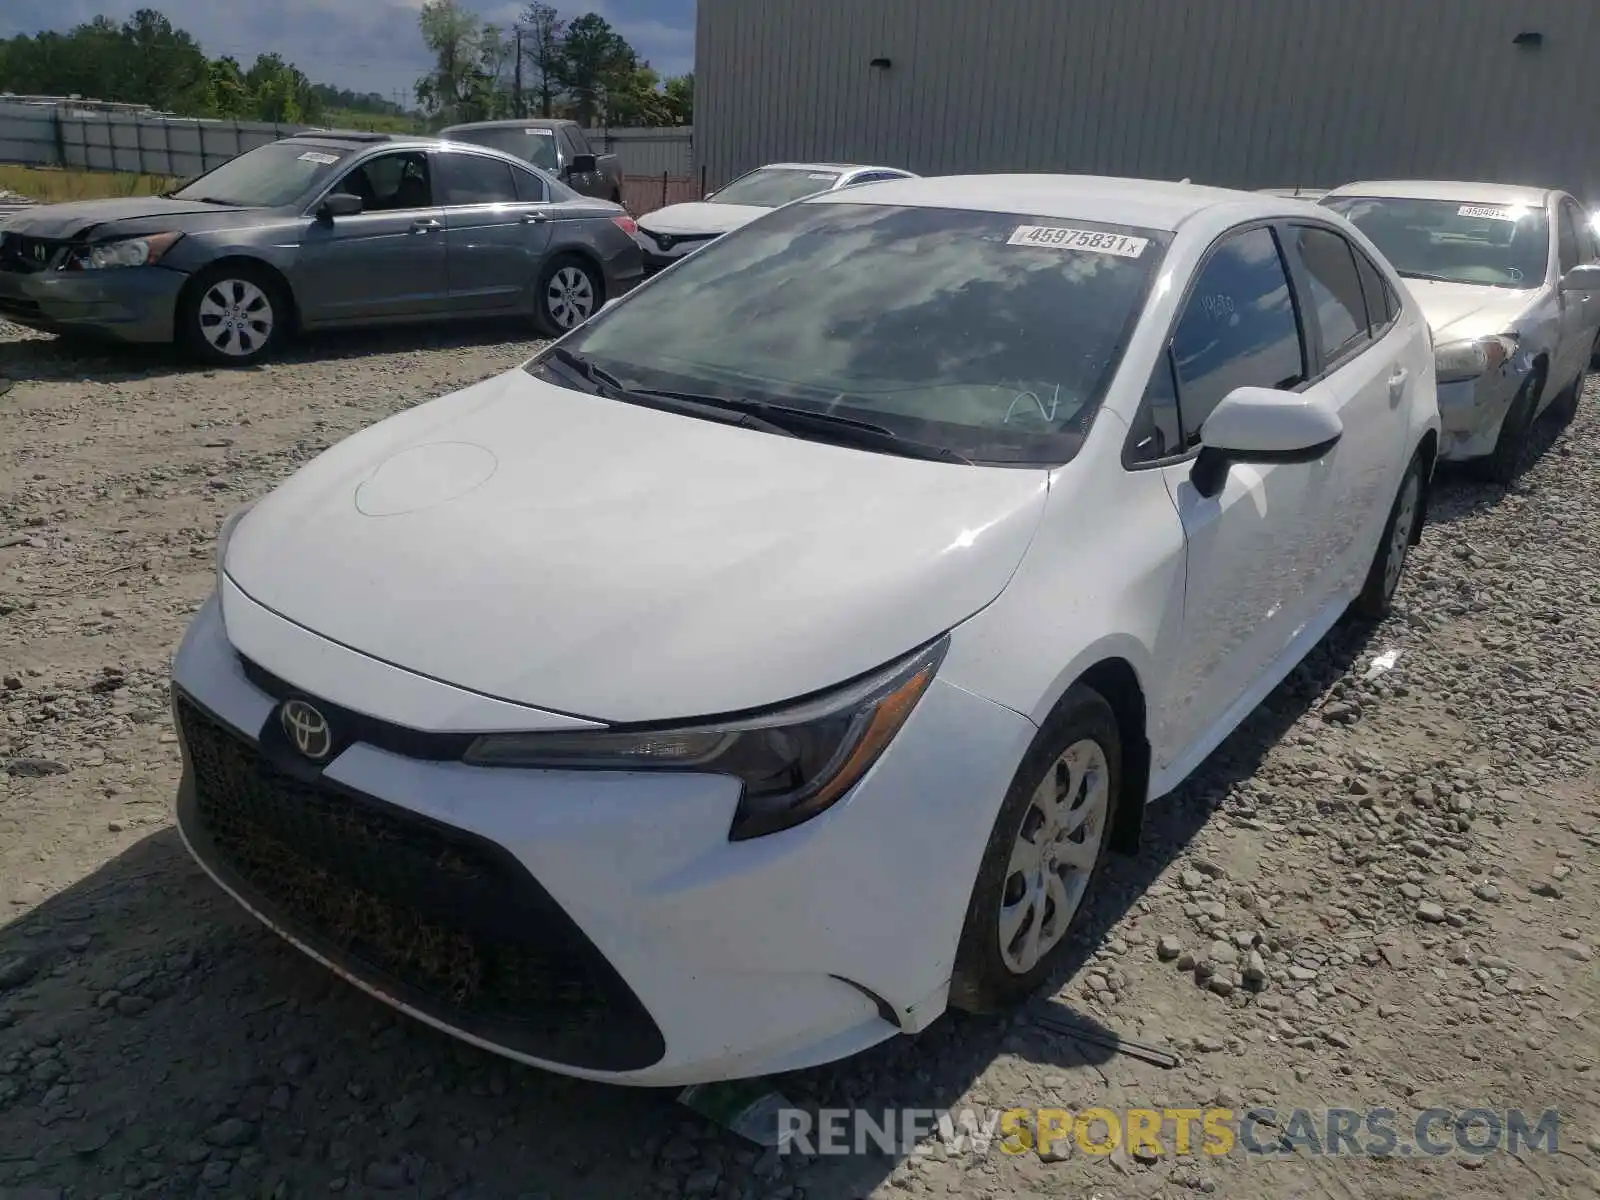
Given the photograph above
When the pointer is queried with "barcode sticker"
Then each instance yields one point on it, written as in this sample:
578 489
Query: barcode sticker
314 156
1057 237
1489 212
549 133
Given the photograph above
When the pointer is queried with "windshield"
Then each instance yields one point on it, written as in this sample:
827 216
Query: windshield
771 187
1502 245
990 335
537 146
269 176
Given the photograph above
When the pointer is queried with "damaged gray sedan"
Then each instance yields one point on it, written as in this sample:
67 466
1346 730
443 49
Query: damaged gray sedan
1509 279
320 231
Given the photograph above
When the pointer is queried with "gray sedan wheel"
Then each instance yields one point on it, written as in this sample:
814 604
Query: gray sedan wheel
232 314
569 293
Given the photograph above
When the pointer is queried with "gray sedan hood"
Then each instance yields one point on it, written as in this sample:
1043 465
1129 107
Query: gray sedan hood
142 214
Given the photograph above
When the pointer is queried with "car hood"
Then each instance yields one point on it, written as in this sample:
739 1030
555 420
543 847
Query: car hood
1456 311
620 563
700 217
143 213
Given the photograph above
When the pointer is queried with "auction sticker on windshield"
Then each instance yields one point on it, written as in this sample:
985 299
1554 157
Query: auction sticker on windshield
1058 237
1489 212
315 156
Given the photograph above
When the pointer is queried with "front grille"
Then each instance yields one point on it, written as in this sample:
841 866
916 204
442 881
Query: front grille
28 254
430 915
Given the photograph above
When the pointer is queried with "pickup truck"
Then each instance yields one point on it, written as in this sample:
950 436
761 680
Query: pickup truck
556 146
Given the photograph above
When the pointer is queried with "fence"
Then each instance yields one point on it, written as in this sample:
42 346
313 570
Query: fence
648 151
141 143
646 193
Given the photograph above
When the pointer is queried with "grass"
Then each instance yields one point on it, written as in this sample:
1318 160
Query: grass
345 118
52 185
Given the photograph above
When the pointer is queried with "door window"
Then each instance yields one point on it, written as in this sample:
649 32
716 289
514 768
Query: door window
1335 286
1567 239
531 188
1583 230
390 182
579 140
1381 306
1238 328
475 179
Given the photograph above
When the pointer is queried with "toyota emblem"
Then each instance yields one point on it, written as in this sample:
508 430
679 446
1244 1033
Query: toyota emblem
307 729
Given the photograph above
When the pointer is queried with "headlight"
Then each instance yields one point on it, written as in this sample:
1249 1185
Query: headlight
794 763
1454 361
225 535
128 252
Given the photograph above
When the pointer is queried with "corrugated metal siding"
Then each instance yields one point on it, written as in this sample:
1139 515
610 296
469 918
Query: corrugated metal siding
1247 93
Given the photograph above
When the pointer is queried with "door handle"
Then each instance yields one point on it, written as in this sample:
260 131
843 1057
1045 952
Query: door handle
1397 384
535 218
425 225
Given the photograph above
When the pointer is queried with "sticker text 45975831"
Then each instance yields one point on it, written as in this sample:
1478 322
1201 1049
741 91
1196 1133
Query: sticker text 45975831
1058 237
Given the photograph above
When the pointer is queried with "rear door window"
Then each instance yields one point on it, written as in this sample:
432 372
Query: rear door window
1336 300
1381 308
467 179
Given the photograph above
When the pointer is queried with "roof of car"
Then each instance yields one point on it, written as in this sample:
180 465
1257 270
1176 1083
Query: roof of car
1446 189
510 123
1148 203
824 166
349 136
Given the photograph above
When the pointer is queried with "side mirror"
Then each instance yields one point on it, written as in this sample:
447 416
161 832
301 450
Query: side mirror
1585 277
1262 425
339 204
584 164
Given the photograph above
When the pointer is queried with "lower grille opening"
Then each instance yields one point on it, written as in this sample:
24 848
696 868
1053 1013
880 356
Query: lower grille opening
432 916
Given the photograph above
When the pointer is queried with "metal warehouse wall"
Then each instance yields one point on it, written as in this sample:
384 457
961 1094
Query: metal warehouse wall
1247 93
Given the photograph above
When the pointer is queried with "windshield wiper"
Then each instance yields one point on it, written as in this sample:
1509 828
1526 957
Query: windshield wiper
607 384
849 430
1424 275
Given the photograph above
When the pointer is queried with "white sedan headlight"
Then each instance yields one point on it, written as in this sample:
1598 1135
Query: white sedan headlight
1455 361
794 763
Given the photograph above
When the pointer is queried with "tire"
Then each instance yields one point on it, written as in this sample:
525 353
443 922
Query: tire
1389 563
569 291
1504 463
1565 406
233 314
1077 755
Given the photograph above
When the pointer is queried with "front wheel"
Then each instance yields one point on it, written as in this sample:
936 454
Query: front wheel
567 294
1511 447
233 315
1043 857
1383 577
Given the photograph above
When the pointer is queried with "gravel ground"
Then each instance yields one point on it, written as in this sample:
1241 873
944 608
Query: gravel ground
1377 893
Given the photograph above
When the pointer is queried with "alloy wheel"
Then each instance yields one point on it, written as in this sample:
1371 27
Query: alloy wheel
570 297
236 317
1054 855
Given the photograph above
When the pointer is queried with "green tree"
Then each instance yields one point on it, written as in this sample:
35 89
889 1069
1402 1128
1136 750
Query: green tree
542 44
678 95
228 96
595 59
451 34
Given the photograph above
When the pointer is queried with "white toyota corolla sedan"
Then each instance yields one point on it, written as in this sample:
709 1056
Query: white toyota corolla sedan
773 661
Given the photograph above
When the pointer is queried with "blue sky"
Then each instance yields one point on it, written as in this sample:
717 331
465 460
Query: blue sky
365 45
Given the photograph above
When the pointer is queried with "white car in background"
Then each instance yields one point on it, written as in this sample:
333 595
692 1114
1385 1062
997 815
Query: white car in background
773 661
1509 278
667 234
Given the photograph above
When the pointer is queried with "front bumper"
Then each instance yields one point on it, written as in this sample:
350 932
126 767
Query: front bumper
132 304
1471 411
598 924
660 254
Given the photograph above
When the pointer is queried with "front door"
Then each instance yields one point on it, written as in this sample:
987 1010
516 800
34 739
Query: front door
1246 589
387 261
497 230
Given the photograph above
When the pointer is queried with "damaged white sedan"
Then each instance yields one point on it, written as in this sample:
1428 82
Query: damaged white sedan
1509 278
